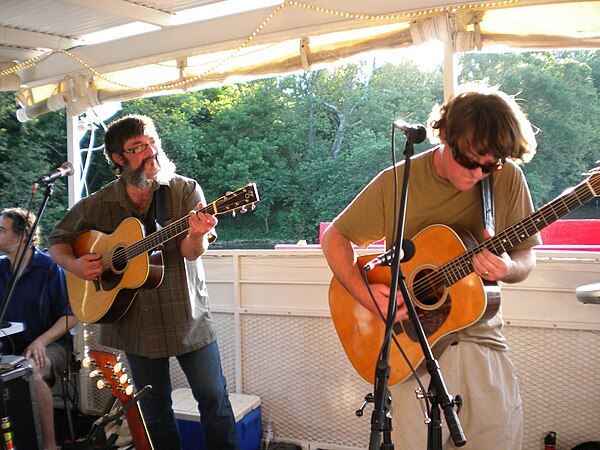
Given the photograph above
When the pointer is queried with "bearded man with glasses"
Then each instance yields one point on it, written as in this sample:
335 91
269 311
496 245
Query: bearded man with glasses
173 319
481 132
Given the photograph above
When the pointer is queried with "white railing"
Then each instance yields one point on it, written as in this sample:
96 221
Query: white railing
277 341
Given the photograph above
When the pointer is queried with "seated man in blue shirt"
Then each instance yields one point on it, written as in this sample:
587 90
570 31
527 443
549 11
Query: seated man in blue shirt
40 302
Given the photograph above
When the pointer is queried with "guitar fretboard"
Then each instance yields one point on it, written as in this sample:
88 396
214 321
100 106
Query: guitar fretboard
460 267
230 202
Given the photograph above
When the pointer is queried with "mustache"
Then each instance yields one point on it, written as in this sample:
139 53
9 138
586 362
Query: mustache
150 158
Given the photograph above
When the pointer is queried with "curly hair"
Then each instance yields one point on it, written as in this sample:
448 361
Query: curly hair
491 119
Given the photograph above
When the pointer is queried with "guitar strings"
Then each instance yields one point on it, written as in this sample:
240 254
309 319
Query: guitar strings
120 257
462 266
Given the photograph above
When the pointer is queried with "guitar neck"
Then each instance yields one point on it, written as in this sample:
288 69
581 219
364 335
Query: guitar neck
158 238
460 267
229 203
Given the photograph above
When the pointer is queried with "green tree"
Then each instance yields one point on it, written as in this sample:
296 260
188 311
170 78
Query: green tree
27 152
560 98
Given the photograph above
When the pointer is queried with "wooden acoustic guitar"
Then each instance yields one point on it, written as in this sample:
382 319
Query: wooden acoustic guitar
111 370
448 295
127 262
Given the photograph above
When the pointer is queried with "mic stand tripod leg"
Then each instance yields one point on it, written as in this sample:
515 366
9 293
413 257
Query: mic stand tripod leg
387 432
383 427
65 378
434 427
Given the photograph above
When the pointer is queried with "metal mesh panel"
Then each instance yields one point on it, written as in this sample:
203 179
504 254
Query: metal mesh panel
307 386
309 389
225 326
95 400
558 371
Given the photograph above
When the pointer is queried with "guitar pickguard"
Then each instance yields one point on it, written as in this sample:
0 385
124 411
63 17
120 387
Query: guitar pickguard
433 302
431 321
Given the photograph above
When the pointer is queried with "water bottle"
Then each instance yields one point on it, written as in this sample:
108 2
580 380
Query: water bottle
268 435
550 441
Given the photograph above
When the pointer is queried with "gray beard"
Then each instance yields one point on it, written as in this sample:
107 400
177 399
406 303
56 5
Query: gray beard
138 176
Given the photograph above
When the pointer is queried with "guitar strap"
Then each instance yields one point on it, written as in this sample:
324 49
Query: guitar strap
159 212
159 207
487 203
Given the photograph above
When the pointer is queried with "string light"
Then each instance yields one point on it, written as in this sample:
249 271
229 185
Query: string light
395 17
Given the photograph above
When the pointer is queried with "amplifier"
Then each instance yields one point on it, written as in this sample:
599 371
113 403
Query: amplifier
18 409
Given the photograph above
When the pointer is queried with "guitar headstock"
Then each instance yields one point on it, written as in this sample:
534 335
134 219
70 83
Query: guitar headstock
231 202
110 372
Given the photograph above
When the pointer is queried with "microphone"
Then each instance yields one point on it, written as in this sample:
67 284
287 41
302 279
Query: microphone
65 170
385 259
415 133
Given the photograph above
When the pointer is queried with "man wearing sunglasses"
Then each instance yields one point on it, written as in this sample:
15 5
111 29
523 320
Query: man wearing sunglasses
480 133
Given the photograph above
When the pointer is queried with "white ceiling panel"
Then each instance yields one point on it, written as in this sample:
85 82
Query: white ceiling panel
45 45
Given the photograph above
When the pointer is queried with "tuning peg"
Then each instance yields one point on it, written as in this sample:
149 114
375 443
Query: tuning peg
87 362
243 210
95 373
117 367
128 390
253 206
100 384
233 213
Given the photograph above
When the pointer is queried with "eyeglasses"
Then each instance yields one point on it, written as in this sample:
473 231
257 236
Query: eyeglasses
139 148
468 163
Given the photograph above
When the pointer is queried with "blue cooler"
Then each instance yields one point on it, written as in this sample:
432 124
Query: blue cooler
246 409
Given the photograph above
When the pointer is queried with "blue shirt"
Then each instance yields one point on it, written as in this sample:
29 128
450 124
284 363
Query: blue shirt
39 299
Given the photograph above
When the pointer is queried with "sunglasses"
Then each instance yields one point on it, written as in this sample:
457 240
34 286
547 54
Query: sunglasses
468 163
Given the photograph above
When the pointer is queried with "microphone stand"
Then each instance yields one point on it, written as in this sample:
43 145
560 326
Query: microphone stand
438 394
96 436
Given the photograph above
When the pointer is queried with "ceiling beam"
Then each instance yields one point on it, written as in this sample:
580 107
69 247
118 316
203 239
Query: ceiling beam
224 33
216 34
10 54
33 39
127 9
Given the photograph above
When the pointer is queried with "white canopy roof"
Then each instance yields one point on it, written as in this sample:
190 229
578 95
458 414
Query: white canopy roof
54 55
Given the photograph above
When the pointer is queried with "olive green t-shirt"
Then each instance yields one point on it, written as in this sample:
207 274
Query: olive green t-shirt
433 200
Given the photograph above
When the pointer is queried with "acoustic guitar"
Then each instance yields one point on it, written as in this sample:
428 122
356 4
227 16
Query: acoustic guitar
127 262
448 295
110 369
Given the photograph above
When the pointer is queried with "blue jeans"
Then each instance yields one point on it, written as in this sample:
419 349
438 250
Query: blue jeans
202 368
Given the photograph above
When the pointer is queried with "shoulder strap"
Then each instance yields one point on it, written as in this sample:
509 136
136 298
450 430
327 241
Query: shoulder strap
487 202
159 197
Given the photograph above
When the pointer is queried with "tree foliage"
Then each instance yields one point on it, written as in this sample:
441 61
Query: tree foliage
311 141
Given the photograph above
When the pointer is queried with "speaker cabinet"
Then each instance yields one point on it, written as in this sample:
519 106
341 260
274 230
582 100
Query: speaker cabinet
19 406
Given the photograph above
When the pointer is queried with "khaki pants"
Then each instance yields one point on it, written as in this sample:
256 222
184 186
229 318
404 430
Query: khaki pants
491 416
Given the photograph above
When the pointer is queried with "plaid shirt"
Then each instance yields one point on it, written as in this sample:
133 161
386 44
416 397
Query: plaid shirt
174 318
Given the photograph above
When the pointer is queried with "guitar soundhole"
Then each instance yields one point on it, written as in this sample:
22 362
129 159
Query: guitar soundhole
119 259
112 277
432 303
427 289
